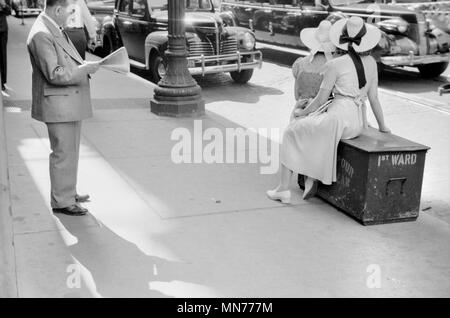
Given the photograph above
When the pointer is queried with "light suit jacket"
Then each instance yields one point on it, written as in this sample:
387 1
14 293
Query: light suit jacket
60 91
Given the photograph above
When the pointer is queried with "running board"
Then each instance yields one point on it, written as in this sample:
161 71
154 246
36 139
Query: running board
137 64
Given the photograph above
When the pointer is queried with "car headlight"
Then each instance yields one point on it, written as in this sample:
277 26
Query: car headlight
247 41
396 25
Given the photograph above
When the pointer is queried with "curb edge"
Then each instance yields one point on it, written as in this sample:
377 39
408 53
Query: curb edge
8 281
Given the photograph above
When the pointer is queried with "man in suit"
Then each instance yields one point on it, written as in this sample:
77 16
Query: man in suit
61 99
5 9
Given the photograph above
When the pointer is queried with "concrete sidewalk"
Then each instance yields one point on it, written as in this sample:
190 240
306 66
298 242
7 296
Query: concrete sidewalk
160 229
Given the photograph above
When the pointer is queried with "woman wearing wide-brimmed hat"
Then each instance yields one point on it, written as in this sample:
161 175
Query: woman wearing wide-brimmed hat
309 145
307 70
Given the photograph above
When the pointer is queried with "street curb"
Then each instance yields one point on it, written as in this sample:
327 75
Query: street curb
8 281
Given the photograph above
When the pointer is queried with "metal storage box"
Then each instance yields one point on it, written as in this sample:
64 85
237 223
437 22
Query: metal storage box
379 178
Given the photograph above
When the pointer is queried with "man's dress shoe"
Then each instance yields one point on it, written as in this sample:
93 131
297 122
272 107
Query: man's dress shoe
74 210
82 198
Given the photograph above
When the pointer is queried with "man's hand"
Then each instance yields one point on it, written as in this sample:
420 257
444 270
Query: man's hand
90 67
91 43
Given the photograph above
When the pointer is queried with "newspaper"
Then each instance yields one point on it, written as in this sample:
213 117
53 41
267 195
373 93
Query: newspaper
117 61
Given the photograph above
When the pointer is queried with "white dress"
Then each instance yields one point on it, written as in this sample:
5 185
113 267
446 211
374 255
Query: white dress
309 145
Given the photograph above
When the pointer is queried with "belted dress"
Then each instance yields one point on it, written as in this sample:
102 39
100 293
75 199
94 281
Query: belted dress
309 144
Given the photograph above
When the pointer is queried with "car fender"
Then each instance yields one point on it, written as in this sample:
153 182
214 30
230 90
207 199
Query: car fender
109 29
229 18
154 43
237 29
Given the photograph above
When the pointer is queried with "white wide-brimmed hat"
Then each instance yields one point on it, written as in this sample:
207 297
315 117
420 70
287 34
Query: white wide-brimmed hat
318 39
354 25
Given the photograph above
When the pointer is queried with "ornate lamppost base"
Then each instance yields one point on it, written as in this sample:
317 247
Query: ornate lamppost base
180 108
177 94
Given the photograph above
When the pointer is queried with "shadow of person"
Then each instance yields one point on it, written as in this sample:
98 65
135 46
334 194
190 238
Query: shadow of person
118 267
220 87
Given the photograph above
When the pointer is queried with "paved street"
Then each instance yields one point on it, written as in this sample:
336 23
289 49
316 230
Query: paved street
161 229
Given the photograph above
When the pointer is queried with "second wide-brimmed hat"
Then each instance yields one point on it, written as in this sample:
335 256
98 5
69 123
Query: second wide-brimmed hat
354 25
318 39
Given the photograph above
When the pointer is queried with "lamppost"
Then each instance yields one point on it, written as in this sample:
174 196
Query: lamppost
21 11
177 94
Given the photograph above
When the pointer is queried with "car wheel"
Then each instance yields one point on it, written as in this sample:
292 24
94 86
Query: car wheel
108 47
158 68
432 70
263 24
241 77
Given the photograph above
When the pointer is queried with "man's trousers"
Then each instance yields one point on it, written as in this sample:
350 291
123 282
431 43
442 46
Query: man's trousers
65 144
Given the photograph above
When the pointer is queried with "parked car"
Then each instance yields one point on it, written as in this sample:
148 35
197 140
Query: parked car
102 11
22 8
438 13
408 39
213 46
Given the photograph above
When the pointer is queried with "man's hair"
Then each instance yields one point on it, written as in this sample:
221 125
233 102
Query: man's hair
52 3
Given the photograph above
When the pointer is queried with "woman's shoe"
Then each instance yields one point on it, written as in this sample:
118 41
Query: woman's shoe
283 196
310 188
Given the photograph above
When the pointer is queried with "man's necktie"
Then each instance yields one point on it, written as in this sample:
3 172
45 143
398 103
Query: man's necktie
65 34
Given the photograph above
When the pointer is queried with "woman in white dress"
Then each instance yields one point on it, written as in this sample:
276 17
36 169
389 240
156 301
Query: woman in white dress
309 145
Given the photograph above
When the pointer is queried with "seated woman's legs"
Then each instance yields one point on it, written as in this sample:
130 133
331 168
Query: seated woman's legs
282 192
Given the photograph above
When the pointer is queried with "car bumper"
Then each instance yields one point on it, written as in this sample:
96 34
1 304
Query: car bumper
26 12
411 60
224 63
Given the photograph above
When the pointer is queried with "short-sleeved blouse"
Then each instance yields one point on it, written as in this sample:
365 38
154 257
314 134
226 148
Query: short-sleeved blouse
308 75
339 75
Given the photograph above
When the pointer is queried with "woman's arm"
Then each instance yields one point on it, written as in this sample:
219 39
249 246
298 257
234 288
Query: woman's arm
372 94
320 99
296 90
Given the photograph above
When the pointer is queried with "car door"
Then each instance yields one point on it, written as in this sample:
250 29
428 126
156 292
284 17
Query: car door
276 22
123 22
139 29
131 22
313 12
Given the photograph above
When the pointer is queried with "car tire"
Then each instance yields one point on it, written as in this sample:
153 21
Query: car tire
107 47
241 77
262 24
157 67
432 70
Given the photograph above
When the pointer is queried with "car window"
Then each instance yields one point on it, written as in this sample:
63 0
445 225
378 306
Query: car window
308 3
138 7
124 4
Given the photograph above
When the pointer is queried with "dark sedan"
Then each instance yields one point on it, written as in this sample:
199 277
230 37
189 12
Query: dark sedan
408 38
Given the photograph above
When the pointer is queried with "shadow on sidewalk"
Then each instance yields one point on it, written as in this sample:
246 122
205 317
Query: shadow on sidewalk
117 266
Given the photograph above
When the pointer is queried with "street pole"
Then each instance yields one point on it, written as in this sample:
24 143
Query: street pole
21 10
177 94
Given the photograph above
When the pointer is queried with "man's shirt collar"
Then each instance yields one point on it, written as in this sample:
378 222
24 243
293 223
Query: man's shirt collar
52 21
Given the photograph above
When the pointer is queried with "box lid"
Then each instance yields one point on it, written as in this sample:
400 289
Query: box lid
371 140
